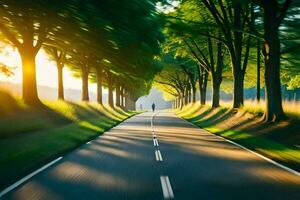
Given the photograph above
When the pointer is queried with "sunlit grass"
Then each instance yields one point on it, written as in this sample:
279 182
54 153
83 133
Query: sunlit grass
291 108
32 136
241 126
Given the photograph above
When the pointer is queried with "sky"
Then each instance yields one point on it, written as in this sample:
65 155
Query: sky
46 71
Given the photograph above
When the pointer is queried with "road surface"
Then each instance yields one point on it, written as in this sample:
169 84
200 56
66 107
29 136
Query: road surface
171 160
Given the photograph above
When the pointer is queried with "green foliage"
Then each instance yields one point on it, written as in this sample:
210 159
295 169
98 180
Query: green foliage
125 33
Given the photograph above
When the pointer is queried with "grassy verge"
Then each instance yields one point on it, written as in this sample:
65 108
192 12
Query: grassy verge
31 137
278 141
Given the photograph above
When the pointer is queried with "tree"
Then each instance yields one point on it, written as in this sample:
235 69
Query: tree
234 18
59 56
27 25
274 13
210 64
173 79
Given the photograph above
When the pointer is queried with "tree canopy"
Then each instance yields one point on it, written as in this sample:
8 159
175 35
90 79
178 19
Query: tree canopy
179 46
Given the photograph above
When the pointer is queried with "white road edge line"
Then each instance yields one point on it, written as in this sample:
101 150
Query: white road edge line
166 187
16 184
253 152
265 158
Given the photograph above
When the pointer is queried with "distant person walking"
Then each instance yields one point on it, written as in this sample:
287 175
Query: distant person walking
153 107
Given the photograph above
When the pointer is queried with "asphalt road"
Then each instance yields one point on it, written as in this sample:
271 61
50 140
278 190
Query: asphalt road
183 163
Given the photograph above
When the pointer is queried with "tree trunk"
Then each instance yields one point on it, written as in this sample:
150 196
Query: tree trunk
133 104
99 85
60 82
110 90
122 97
85 83
194 94
203 88
181 101
186 96
30 94
236 56
126 101
258 71
190 95
199 79
274 110
217 77
118 95
129 104
216 92
238 90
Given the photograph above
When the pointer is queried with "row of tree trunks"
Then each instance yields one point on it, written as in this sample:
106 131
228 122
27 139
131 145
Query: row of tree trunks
177 103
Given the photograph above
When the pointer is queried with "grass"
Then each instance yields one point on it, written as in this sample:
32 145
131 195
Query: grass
291 108
278 141
31 137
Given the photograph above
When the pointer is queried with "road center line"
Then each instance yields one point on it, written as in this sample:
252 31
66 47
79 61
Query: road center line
155 142
166 187
16 184
158 156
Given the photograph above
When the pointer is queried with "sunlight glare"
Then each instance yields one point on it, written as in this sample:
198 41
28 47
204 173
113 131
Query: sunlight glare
46 72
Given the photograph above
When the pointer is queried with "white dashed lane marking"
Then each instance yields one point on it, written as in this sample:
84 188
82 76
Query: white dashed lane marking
158 156
166 187
164 180
155 142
